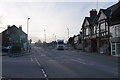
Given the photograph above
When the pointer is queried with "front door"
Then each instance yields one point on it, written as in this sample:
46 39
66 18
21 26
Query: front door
94 45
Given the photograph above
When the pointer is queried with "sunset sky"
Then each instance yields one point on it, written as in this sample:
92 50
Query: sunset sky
55 16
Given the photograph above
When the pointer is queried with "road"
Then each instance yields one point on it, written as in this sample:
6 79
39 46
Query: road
52 63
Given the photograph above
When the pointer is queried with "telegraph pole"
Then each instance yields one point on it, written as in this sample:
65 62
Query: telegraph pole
97 5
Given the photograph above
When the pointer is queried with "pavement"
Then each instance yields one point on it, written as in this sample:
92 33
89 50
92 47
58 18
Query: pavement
3 53
52 63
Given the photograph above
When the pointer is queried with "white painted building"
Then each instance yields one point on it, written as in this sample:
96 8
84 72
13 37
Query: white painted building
115 39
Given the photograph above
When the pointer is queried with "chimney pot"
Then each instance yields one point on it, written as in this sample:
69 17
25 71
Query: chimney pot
8 26
20 27
93 13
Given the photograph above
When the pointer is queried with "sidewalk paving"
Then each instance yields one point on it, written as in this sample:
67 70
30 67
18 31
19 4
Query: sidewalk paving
95 53
14 54
3 54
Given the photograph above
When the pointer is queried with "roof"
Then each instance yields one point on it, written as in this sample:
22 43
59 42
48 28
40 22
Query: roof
115 18
13 29
91 20
114 7
106 12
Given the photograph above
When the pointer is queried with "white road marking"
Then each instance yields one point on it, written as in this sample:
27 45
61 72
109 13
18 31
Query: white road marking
31 59
43 55
37 62
79 61
43 71
45 75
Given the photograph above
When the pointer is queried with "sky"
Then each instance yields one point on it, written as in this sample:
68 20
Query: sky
54 17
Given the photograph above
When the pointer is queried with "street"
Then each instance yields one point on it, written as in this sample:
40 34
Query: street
52 63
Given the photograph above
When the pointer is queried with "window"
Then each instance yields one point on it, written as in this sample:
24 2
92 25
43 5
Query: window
112 31
102 27
118 48
115 31
97 28
60 42
118 31
113 48
87 31
106 26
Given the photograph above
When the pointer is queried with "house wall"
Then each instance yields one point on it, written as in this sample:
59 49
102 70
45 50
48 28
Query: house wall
14 36
115 30
115 39
104 43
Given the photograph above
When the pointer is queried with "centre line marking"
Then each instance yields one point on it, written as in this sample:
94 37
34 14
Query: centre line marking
78 61
43 71
31 58
45 75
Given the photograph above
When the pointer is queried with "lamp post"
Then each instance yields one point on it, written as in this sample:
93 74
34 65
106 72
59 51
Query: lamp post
27 32
68 32
45 35
55 38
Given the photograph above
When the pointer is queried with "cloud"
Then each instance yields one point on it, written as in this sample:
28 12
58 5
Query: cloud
54 17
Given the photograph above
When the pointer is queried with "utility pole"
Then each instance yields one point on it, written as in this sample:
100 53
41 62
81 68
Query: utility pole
97 5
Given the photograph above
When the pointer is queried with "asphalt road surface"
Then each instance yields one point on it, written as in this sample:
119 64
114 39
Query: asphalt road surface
52 63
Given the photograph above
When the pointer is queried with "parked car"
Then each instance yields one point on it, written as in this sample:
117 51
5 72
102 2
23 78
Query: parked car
6 49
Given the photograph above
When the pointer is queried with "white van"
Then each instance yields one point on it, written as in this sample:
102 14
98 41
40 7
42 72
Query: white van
60 45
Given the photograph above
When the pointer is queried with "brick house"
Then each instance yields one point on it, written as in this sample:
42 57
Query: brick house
101 33
14 36
78 41
104 34
88 30
108 21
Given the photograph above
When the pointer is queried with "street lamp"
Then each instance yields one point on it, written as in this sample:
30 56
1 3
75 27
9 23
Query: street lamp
55 38
68 32
27 31
45 34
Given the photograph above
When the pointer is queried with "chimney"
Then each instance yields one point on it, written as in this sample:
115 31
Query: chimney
118 2
20 27
8 26
93 13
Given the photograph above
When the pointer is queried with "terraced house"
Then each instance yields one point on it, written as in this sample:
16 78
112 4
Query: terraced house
89 33
101 32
